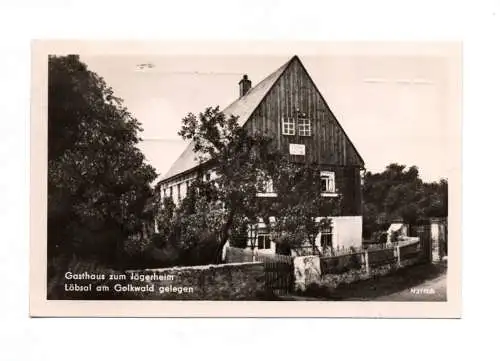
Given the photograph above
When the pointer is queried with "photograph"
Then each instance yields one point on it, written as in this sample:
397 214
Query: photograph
298 175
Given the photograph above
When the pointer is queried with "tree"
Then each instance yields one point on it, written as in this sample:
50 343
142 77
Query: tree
399 193
298 205
244 165
98 181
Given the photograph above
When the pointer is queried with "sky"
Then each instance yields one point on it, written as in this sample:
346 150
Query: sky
394 107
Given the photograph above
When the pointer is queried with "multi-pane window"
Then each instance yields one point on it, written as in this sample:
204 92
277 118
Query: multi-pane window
327 182
326 238
304 126
288 126
263 240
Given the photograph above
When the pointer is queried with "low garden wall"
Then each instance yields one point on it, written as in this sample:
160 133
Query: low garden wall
361 265
234 254
347 266
342 263
236 281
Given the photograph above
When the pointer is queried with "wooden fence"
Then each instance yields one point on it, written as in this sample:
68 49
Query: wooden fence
372 256
278 268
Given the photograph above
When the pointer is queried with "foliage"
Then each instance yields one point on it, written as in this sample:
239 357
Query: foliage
98 181
224 206
296 209
399 193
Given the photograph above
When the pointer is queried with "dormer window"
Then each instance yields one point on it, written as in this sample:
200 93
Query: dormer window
304 127
288 126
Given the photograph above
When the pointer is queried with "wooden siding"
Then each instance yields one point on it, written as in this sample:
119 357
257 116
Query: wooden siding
327 144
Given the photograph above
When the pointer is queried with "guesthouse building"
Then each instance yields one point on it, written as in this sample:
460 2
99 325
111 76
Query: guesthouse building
288 106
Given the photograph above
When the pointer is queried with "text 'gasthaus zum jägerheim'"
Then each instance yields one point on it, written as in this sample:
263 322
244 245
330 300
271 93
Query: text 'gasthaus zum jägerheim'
130 282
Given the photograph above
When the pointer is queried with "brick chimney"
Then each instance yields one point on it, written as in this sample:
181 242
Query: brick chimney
245 85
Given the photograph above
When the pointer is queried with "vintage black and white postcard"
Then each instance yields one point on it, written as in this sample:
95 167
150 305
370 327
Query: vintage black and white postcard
185 179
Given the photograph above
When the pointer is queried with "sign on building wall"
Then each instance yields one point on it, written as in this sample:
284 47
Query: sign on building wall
297 149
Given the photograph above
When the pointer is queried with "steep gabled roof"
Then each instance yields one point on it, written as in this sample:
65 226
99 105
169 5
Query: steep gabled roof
242 108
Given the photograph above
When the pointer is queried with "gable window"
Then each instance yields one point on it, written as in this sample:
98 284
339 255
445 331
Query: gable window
304 127
328 183
288 126
263 239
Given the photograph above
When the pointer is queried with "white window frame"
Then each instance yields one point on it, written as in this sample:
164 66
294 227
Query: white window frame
304 126
267 236
288 126
268 190
331 190
326 232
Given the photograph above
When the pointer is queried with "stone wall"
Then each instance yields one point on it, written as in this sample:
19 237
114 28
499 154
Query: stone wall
409 252
234 254
343 263
355 275
381 257
236 281
362 265
307 270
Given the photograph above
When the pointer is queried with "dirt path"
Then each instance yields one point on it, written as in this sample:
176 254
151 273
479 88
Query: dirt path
432 290
422 283
418 283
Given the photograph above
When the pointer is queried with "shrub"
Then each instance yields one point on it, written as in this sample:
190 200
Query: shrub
379 237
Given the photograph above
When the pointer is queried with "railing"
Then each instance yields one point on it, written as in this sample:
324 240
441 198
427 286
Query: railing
279 269
345 259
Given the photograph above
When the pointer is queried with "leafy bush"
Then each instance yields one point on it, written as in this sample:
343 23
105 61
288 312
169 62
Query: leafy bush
379 237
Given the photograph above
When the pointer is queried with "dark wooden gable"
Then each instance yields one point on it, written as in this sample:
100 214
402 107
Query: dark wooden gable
328 143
